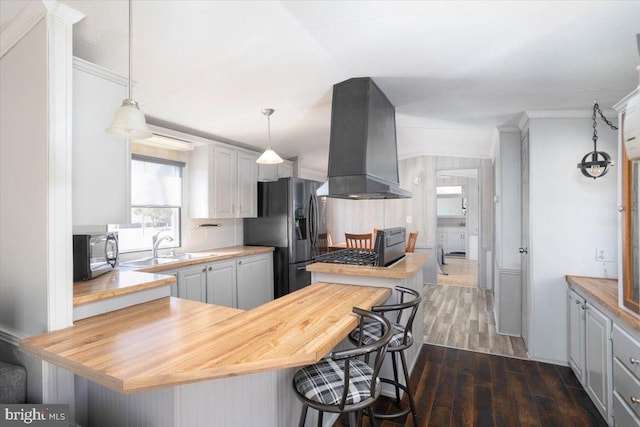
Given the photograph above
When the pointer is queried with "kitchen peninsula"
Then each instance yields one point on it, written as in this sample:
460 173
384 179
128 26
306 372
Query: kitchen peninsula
173 362
406 272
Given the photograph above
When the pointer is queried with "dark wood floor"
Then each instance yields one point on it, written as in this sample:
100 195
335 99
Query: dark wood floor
463 388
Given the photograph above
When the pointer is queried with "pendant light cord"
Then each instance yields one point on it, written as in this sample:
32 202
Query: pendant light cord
596 107
130 43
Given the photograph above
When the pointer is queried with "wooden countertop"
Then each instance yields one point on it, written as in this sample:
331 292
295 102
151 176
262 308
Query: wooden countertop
217 255
404 269
172 341
605 293
123 281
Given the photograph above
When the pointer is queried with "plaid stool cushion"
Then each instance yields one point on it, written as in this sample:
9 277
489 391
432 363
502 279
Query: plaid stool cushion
323 382
373 332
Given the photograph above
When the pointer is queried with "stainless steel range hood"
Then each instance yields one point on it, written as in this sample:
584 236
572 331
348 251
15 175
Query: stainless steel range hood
363 156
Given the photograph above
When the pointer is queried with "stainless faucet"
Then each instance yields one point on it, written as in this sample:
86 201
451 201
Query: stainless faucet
156 243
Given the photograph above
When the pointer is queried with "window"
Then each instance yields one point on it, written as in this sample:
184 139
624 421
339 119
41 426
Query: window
156 201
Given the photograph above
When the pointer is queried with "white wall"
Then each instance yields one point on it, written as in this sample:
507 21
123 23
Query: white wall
570 215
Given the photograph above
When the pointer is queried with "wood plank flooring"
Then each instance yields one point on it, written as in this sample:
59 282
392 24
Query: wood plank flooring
462 317
459 388
459 271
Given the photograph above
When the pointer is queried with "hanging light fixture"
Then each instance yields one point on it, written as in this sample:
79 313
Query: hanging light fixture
129 121
269 157
596 163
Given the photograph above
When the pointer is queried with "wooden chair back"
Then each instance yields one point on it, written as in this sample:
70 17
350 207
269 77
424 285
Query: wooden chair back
411 242
323 243
358 241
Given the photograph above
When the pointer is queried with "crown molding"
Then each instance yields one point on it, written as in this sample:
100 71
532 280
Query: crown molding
30 17
621 106
565 114
97 70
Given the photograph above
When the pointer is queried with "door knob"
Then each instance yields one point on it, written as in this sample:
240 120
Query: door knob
523 250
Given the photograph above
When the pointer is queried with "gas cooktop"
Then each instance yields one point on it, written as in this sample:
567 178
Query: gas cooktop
350 256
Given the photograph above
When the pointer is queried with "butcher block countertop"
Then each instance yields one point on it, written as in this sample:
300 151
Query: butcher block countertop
604 292
123 281
171 341
404 269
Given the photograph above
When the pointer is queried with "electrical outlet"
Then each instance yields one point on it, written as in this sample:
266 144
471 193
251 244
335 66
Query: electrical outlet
409 219
604 254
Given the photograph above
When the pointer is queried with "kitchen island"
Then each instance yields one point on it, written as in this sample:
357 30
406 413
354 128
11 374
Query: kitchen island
406 273
172 362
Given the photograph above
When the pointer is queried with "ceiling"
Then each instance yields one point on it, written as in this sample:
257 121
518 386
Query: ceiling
454 70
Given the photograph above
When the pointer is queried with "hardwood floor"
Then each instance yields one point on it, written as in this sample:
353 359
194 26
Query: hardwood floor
461 388
460 272
462 317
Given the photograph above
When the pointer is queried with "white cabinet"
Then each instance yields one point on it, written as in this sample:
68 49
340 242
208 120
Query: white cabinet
221 283
456 241
222 182
254 281
192 283
101 163
268 173
626 378
598 359
576 309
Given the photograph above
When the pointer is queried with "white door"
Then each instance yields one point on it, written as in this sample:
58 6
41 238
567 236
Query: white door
575 308
247 185
254 281
224 185
598 358
221 283
192 283
524 242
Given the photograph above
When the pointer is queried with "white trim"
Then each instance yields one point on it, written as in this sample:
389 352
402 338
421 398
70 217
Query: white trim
29 17
565 114
11 336
621 106
509 271
96 70
524 120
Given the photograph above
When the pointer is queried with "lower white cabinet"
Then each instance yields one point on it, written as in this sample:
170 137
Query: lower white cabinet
576 309
591 351
243 283
221 283
192 283
598 359
254 281
626 378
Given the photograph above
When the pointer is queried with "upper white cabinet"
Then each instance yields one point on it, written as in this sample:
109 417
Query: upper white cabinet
223 182
101 162
274 172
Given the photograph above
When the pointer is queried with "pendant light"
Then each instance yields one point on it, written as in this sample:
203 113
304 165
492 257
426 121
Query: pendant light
269 157
595 164
129 121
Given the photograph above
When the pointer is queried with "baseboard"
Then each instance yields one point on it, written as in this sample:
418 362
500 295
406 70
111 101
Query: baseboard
10 336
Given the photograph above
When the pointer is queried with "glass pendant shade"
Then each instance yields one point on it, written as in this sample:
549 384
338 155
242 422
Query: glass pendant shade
269 157
129 122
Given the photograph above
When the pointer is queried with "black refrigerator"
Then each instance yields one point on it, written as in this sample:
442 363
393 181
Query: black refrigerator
290 217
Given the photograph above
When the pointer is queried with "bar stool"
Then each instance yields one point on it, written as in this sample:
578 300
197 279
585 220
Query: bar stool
401 340
343 383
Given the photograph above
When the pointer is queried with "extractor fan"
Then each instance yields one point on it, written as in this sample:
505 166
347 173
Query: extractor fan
632 121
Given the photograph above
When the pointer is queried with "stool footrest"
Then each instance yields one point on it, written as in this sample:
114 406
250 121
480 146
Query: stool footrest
400 413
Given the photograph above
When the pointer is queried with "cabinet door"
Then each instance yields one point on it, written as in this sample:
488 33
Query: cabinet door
576 313
221 283
192 283
598 359
285 170
267 173
224 182
247 185
201 182
101 163
254 281
455 241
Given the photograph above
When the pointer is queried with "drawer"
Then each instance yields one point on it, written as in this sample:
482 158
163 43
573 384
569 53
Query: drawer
623 414
441 237
626 385
627 349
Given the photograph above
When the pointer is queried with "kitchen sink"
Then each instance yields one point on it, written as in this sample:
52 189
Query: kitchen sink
149 262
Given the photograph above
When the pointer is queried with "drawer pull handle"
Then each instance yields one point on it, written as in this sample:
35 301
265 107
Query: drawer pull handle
634 361
635 400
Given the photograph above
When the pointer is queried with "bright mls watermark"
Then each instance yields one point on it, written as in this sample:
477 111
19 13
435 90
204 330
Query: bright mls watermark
34 415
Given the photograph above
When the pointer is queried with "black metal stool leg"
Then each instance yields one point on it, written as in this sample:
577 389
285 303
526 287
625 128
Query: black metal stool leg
372 417
406 379
303 415
352 419
320 415
395 376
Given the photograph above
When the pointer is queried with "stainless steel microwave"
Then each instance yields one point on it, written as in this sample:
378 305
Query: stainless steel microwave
93 255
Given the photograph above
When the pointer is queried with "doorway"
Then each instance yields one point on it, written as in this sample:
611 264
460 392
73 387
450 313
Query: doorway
457 227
